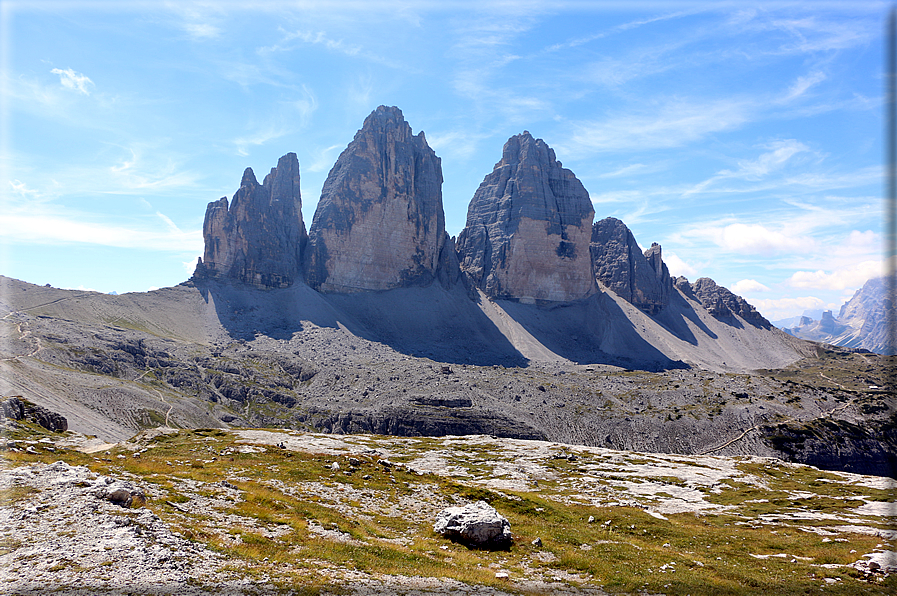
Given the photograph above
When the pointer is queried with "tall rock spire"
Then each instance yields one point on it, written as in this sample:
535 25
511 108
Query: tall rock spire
643 280
379 223
258 238
528 228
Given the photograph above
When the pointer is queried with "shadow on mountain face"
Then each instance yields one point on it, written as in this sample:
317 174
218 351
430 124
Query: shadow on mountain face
426 322
432 322
592 331
673 318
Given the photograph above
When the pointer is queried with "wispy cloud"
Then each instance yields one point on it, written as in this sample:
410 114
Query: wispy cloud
458 143
323 159
777 155
202 30
257 138
624 171
572 43
803 84
74 80
50 229
665 126
199 20
290 40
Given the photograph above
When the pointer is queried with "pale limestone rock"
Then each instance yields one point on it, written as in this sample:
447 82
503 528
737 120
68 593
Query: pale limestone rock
379 223
258 238
528 228
476 523
643 280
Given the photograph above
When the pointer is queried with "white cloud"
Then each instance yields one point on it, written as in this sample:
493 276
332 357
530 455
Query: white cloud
202 30
672 125
73 80
190 264
782 308
257 138
321 38
461 144
841 279
624 171
49 229
757 239
679 267
778 154
323 160
803 84
305 105
748 286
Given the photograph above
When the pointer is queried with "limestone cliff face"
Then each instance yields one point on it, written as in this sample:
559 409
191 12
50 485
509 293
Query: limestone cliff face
379 223
722 303
258 238
528 228
643 280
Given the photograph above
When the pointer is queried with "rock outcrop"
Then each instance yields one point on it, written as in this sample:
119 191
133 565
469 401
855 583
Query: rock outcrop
379 224
722 303
643 280
867 312
258 238
862 322
475 523
528 228
16 408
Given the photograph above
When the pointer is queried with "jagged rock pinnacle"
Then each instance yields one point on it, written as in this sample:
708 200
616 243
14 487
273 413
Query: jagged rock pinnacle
379 223
528 228
258 238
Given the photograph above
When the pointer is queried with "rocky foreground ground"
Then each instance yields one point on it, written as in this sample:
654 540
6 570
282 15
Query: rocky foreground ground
267 511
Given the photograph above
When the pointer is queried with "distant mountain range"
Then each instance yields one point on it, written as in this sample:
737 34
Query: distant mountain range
861 323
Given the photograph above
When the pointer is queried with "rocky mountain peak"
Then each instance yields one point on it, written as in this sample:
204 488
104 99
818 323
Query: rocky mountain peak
379 223
258 237
722 303
642 279
528 228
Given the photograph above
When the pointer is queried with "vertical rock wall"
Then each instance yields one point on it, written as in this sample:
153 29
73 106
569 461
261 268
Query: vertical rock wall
379 223
259 236
528 228
643 280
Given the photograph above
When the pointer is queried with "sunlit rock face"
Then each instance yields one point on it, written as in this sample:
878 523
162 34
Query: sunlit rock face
528 228
642 279
379 223
259 236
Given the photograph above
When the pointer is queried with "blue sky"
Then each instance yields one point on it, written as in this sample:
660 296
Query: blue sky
746 138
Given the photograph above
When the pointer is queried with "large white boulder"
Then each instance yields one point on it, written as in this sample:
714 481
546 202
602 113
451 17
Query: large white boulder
477 523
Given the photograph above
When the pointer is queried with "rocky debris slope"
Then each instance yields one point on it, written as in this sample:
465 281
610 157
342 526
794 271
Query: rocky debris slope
274 511
643 280
528 227
71 534
258 238
412 362
379 223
